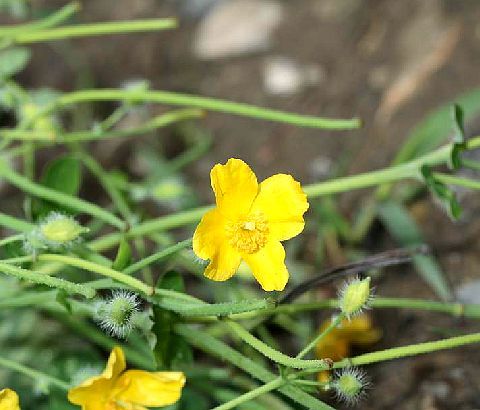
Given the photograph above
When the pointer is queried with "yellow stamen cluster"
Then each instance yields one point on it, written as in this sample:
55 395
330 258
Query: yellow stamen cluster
249 234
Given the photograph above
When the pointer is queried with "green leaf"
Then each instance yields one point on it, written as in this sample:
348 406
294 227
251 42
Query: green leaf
63 174
404 229
62 298
442 192
172 280
458 118
435 128
13 61
163 322
124 256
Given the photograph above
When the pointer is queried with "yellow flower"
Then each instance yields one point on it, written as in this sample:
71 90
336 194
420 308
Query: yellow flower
336 345
117 389
248 223
9 400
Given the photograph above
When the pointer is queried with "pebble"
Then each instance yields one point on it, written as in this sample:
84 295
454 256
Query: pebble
468 292
237 27
284 76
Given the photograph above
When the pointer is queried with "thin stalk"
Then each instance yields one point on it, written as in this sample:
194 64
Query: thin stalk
454 180
470 163
410 350
53 20
34 374
13 238
252 394
15 224
99 269
42 279
319 337
58 197
94 29
210 104
157 256
271 353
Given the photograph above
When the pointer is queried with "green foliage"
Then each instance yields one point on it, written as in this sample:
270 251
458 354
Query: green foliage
63 174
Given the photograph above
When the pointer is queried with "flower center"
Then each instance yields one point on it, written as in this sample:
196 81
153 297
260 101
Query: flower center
248 234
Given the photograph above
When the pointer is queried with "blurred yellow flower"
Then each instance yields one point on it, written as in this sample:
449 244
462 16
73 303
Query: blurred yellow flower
117 389
9 400
249 222
359 331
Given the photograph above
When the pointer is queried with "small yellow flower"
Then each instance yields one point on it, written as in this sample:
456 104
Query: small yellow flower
9 400
117 389
358 331
249 223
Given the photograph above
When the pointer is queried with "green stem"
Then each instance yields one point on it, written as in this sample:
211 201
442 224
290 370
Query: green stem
53 20
406 170
58 197
211 104
157 256
217 348
334 323
469 163
99 269
94 29
15 224
410 350
13 238
271 353
39 278
34 374
206 310
454 180
252 394
96 169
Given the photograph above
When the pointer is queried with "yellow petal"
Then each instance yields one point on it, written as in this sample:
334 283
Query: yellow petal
94 392
332 347
268 266
9 400
283 202
150 389
209 235
235 187
223 264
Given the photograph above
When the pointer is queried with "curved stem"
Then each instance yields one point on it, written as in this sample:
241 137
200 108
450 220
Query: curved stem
271 353
217 348
34 374
211 104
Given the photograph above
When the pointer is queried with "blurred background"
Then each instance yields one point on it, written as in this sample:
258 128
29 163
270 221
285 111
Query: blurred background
389 62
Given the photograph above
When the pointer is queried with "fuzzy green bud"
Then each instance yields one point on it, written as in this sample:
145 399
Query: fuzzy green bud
117 315
350 385
355 296
62 229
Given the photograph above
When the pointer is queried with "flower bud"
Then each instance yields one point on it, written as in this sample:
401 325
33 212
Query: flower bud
116 315
355 296
56 231
59 229
350 385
